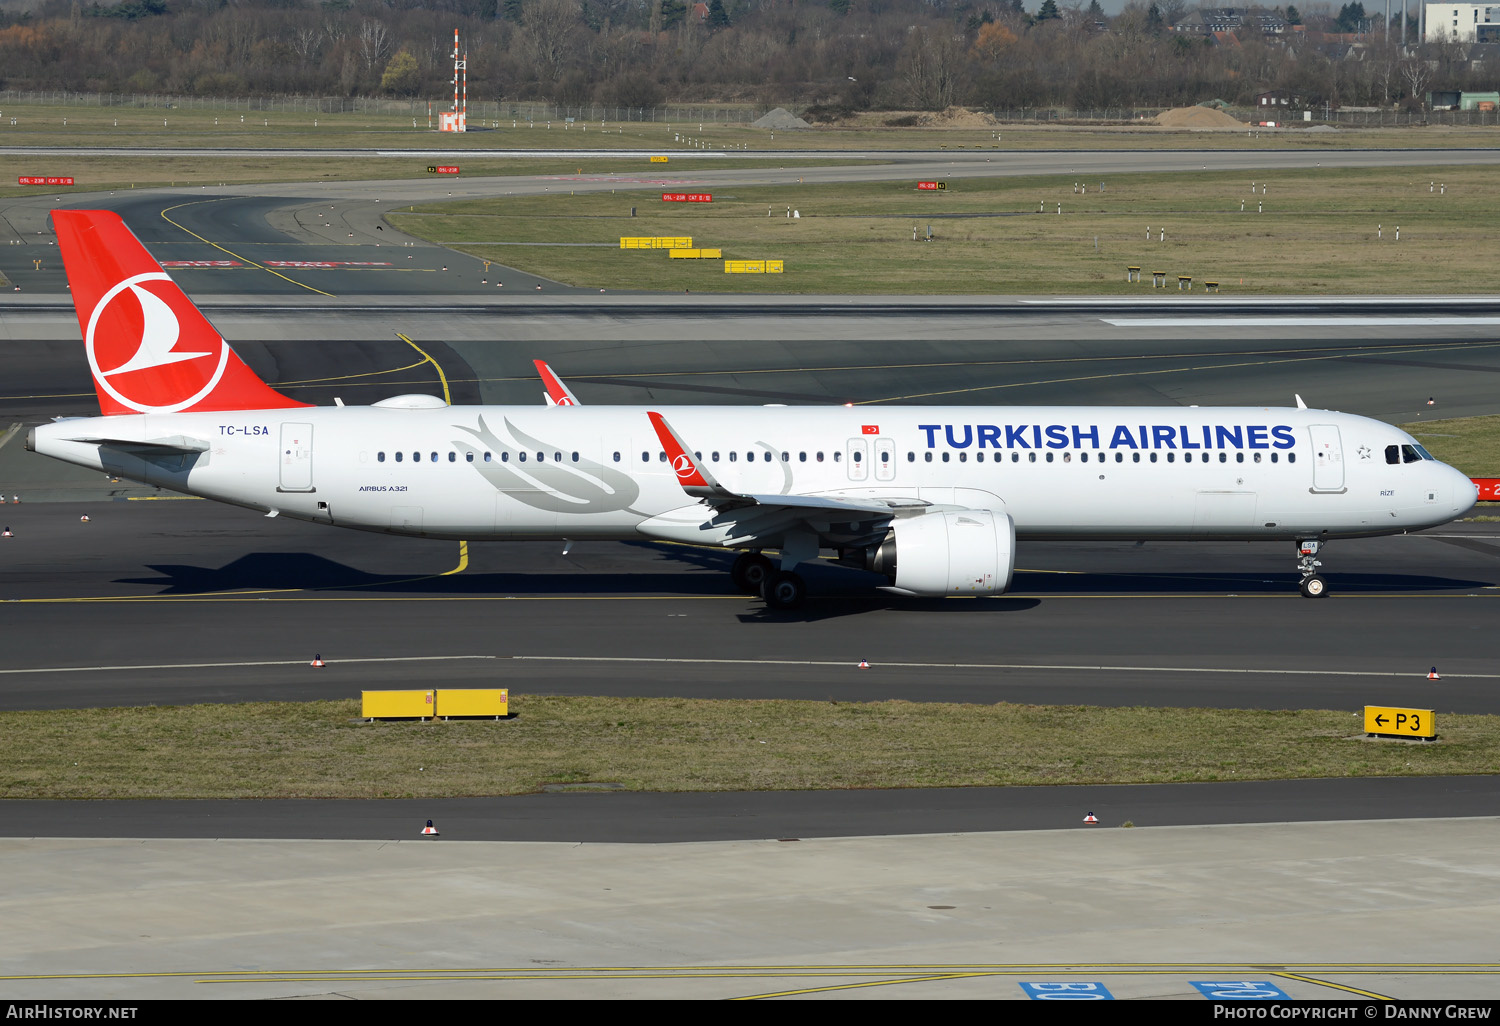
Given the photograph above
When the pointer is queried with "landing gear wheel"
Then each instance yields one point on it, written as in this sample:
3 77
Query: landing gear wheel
1314 587
784 590
750 571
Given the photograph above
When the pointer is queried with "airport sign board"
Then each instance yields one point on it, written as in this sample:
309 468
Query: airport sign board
931 186
687 197
1396 722
44 180
442 169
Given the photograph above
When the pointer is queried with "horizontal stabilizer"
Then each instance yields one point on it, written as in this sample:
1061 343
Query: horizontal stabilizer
176 444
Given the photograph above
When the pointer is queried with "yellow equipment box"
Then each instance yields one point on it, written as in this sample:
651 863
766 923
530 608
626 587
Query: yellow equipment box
695 254
656 242
398 705
658 160
473 702
1396 722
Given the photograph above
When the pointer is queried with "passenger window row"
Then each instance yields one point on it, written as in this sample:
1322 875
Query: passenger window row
1393 454
521 457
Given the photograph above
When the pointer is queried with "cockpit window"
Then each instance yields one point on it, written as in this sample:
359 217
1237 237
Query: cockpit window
1409 454
1424 453
1393 454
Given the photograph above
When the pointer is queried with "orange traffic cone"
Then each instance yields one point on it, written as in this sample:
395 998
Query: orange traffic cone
1091 818
864 664
1432 674
317 660
429 830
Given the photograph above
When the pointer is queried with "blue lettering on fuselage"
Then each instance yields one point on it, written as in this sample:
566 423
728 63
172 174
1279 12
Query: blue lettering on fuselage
244 429
1121 436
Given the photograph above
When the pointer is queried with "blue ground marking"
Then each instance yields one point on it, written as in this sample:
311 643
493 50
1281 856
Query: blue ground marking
1239 990
1066 990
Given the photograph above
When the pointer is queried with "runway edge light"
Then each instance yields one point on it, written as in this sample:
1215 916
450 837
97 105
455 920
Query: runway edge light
429 830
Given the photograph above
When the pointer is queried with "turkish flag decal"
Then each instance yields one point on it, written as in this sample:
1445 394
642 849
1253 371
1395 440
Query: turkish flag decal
871 429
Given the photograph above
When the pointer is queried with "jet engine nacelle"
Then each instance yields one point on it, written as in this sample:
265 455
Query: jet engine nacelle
968 552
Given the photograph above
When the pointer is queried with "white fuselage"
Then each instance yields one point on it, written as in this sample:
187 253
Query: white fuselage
476 472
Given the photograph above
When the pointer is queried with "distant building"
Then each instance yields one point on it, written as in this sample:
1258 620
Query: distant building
1462 23
1277 99
1211 21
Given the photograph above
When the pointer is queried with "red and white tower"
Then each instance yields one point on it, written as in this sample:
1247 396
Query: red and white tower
457 120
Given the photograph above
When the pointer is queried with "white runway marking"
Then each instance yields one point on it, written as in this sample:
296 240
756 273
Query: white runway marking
1293 322
851 664
217 666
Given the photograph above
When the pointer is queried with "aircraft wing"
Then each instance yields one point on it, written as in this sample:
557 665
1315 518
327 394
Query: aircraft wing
558 394
742 519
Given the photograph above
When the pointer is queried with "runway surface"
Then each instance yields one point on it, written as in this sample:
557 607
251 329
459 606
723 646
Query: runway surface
626 818
248 602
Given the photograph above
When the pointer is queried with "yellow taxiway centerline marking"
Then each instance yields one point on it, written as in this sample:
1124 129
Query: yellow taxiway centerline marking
856 986
1335 986
238 256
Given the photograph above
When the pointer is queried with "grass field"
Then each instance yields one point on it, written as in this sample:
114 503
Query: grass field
321 749
1317 234
1472 444
42 125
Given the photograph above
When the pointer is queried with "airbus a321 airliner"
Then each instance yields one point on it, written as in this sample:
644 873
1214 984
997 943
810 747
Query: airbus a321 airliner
934 498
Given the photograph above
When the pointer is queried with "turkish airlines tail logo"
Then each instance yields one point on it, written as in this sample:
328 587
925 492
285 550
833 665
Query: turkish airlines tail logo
159 333
149 347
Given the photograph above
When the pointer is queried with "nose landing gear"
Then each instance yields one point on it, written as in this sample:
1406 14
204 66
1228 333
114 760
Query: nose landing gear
1313 583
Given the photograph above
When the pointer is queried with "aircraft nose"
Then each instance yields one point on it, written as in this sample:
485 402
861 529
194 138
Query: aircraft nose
1465 492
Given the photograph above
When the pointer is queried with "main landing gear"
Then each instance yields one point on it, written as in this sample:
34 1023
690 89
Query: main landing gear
784 590
1313 584
750 571
757 575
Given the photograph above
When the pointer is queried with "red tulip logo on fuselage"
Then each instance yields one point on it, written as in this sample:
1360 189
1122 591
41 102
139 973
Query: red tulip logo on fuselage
136 329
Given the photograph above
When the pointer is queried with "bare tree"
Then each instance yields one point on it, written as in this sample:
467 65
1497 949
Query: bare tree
546 25
307 42
374 42
1417 73
933 62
